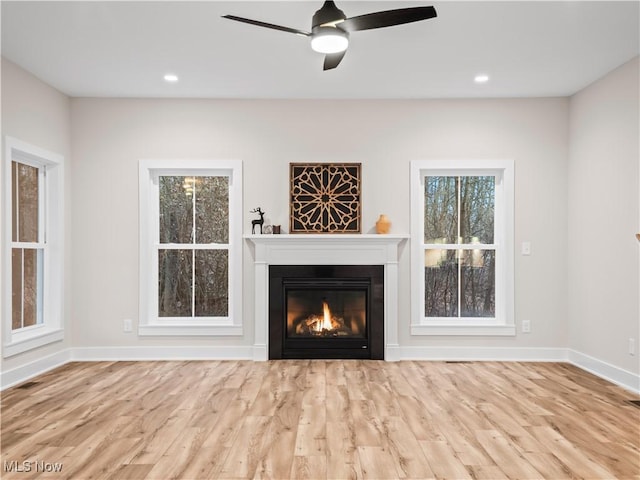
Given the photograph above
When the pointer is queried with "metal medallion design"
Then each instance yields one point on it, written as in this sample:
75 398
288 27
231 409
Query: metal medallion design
325 198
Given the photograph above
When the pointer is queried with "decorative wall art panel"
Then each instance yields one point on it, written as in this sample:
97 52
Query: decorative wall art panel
325 198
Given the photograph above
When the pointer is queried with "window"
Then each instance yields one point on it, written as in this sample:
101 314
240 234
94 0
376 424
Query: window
190 248
33 253
462 248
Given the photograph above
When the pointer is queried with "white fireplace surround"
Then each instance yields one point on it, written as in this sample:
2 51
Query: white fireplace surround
326 249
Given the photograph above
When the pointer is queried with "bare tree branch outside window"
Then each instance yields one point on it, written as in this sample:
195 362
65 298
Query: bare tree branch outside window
193 258
27 250
459 259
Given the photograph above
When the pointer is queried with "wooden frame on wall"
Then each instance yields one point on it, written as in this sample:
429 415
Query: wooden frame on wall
325 198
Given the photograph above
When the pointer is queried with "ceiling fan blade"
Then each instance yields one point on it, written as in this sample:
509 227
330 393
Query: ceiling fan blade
387 18
332 60
267 25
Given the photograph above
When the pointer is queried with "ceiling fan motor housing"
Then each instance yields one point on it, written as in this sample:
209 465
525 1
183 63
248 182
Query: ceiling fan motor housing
326 37
328 14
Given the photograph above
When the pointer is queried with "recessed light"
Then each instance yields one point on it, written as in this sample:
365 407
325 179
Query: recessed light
170 77
481 78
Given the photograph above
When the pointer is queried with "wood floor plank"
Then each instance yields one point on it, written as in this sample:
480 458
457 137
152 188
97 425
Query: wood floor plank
407 454
131 472
548 465
101 461
576 460
335 374
246 451
512 428
367 425
159 440
357 385
384 399
179 455
311 440
463 442
491 472
507 455
277 455
337 403
309 468
420 422
320 419
443 461
401 376
377 463
343 461
205 463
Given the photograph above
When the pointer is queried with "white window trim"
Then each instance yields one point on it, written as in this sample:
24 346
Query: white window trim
149 323
504 322
52 222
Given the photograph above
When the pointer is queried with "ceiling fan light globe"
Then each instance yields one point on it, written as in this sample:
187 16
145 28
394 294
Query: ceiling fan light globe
329 40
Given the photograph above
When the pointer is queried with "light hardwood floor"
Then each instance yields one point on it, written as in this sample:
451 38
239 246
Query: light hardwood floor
320 420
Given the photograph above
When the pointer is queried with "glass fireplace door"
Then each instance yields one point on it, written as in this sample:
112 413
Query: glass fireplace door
326 313
326 318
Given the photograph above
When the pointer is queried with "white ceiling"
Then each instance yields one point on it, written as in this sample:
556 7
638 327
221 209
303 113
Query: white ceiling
123 49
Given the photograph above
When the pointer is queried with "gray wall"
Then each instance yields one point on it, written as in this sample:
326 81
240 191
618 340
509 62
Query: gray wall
604 212
35 113
111 135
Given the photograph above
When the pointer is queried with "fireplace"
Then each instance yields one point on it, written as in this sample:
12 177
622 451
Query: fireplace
284 250
326 311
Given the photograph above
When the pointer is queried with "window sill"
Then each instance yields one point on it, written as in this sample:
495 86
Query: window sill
25 341
190 330
464 330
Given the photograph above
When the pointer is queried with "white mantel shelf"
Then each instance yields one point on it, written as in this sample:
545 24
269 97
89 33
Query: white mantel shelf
325 249
338 237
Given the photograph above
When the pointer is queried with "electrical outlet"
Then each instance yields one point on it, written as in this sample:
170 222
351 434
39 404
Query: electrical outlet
526 326
127 325
632 346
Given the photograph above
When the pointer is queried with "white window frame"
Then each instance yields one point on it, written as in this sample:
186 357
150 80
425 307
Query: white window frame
149 322
51 230
503 324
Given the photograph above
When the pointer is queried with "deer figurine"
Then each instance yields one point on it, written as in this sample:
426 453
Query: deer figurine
257 222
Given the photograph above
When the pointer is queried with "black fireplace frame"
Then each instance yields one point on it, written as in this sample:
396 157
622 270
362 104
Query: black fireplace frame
367 277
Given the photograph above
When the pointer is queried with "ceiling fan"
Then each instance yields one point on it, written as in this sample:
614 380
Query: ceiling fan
330 27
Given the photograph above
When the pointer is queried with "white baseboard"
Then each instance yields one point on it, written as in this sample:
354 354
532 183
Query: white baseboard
393 353
218 352
29 370
623 378
260 353
505 354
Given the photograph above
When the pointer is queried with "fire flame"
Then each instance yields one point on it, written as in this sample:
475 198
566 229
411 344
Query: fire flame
325 323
